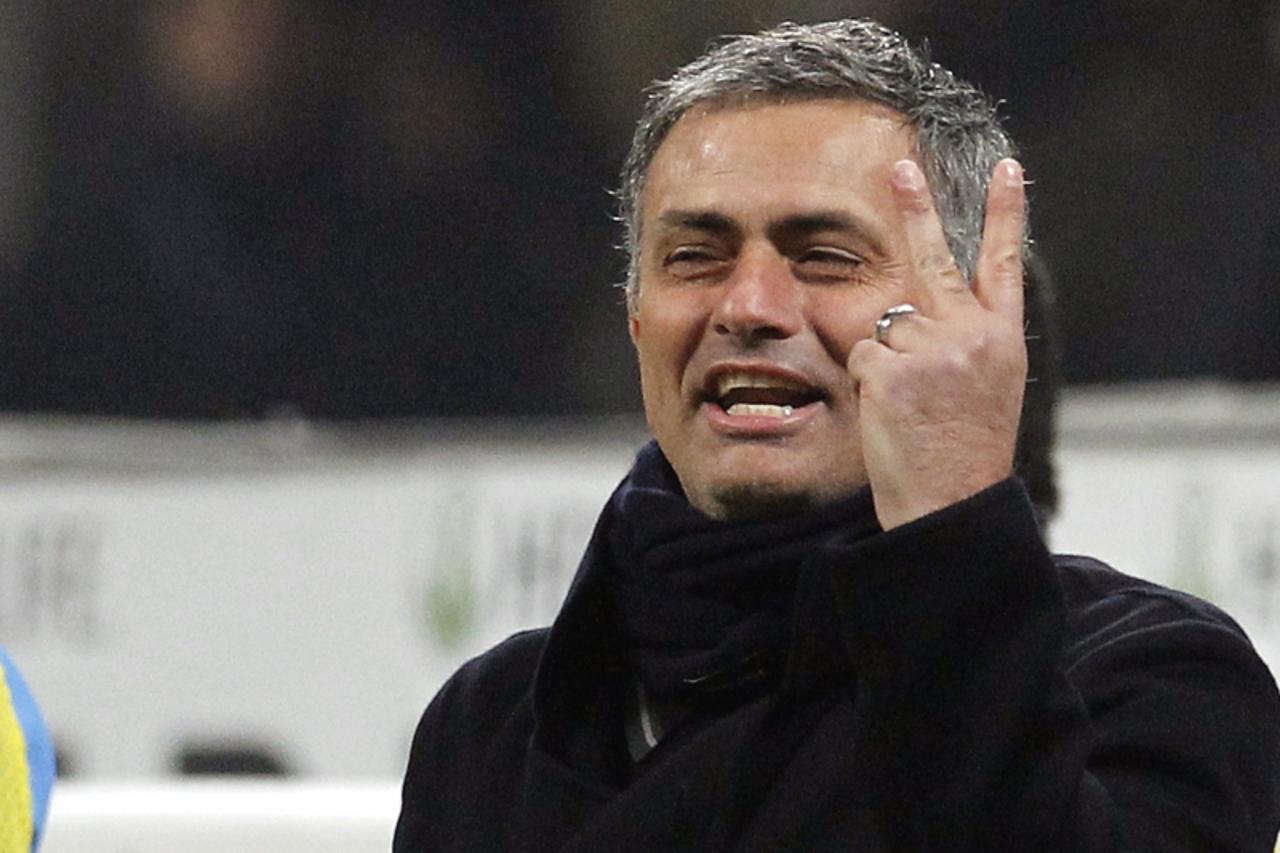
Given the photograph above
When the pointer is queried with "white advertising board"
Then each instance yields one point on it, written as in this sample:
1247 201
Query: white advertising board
311 606
307 591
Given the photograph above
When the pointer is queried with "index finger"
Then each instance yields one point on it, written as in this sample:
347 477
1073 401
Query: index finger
935 277
998 274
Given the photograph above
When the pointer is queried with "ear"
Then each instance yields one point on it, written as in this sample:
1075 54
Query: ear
633 326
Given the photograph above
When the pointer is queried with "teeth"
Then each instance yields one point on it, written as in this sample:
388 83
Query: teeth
764 409
732 381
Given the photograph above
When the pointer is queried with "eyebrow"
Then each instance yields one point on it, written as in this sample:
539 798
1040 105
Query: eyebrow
790 226
818 221
701 220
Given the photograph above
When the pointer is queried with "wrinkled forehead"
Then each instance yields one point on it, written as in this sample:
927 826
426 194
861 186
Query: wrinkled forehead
777 150
751 101
888 121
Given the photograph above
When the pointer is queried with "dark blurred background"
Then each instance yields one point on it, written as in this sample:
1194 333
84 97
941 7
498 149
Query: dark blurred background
362 209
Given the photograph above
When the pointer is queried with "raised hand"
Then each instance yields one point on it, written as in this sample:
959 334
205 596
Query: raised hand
940 392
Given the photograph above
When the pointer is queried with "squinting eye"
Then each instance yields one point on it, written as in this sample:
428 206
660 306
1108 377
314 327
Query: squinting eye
827 263
692 261
833 256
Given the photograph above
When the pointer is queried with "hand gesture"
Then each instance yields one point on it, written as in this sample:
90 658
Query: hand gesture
940 389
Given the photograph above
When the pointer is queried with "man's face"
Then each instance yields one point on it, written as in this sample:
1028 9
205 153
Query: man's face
770 245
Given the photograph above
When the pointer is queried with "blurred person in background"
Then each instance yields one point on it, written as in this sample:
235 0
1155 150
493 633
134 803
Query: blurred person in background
264 207
225 209
819 613
26 763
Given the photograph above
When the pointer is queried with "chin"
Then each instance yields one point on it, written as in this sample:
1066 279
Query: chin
752 481
751 501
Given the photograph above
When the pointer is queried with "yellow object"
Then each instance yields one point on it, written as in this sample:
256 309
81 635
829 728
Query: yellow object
16 827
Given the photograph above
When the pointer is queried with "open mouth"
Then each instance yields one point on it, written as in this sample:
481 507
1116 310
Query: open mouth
742 394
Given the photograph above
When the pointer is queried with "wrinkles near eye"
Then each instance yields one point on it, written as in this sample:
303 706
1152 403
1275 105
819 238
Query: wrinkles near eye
827 263
692 261
836 256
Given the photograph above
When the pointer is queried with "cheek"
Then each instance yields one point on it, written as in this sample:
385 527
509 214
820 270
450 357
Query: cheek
660 370
841 320
666 334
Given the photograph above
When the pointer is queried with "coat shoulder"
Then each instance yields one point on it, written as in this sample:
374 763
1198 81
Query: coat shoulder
489 688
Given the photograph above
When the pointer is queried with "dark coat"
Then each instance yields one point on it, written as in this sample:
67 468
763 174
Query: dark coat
953 688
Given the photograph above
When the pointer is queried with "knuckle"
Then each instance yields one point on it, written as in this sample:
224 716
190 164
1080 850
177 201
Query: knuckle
1008 262
939 263
919 202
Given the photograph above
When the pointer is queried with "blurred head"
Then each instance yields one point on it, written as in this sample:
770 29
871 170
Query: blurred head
957 136
243 73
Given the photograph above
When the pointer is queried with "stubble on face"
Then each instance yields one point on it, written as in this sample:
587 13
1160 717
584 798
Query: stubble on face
766 170
754 501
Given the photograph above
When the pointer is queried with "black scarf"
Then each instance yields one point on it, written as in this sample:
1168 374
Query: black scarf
706 606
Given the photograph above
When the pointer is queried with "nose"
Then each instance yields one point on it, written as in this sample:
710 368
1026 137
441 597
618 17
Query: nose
761 300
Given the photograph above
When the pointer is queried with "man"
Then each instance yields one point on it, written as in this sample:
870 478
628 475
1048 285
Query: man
818 613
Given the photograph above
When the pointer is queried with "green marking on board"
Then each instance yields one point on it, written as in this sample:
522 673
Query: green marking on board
450 599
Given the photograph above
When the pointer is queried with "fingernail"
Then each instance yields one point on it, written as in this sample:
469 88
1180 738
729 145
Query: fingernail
907 175
1012 172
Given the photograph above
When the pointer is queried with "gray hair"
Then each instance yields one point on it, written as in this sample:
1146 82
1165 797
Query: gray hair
958 135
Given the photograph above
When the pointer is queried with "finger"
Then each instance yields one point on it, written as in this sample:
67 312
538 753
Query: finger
936 279
866 357
907 332
998 277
